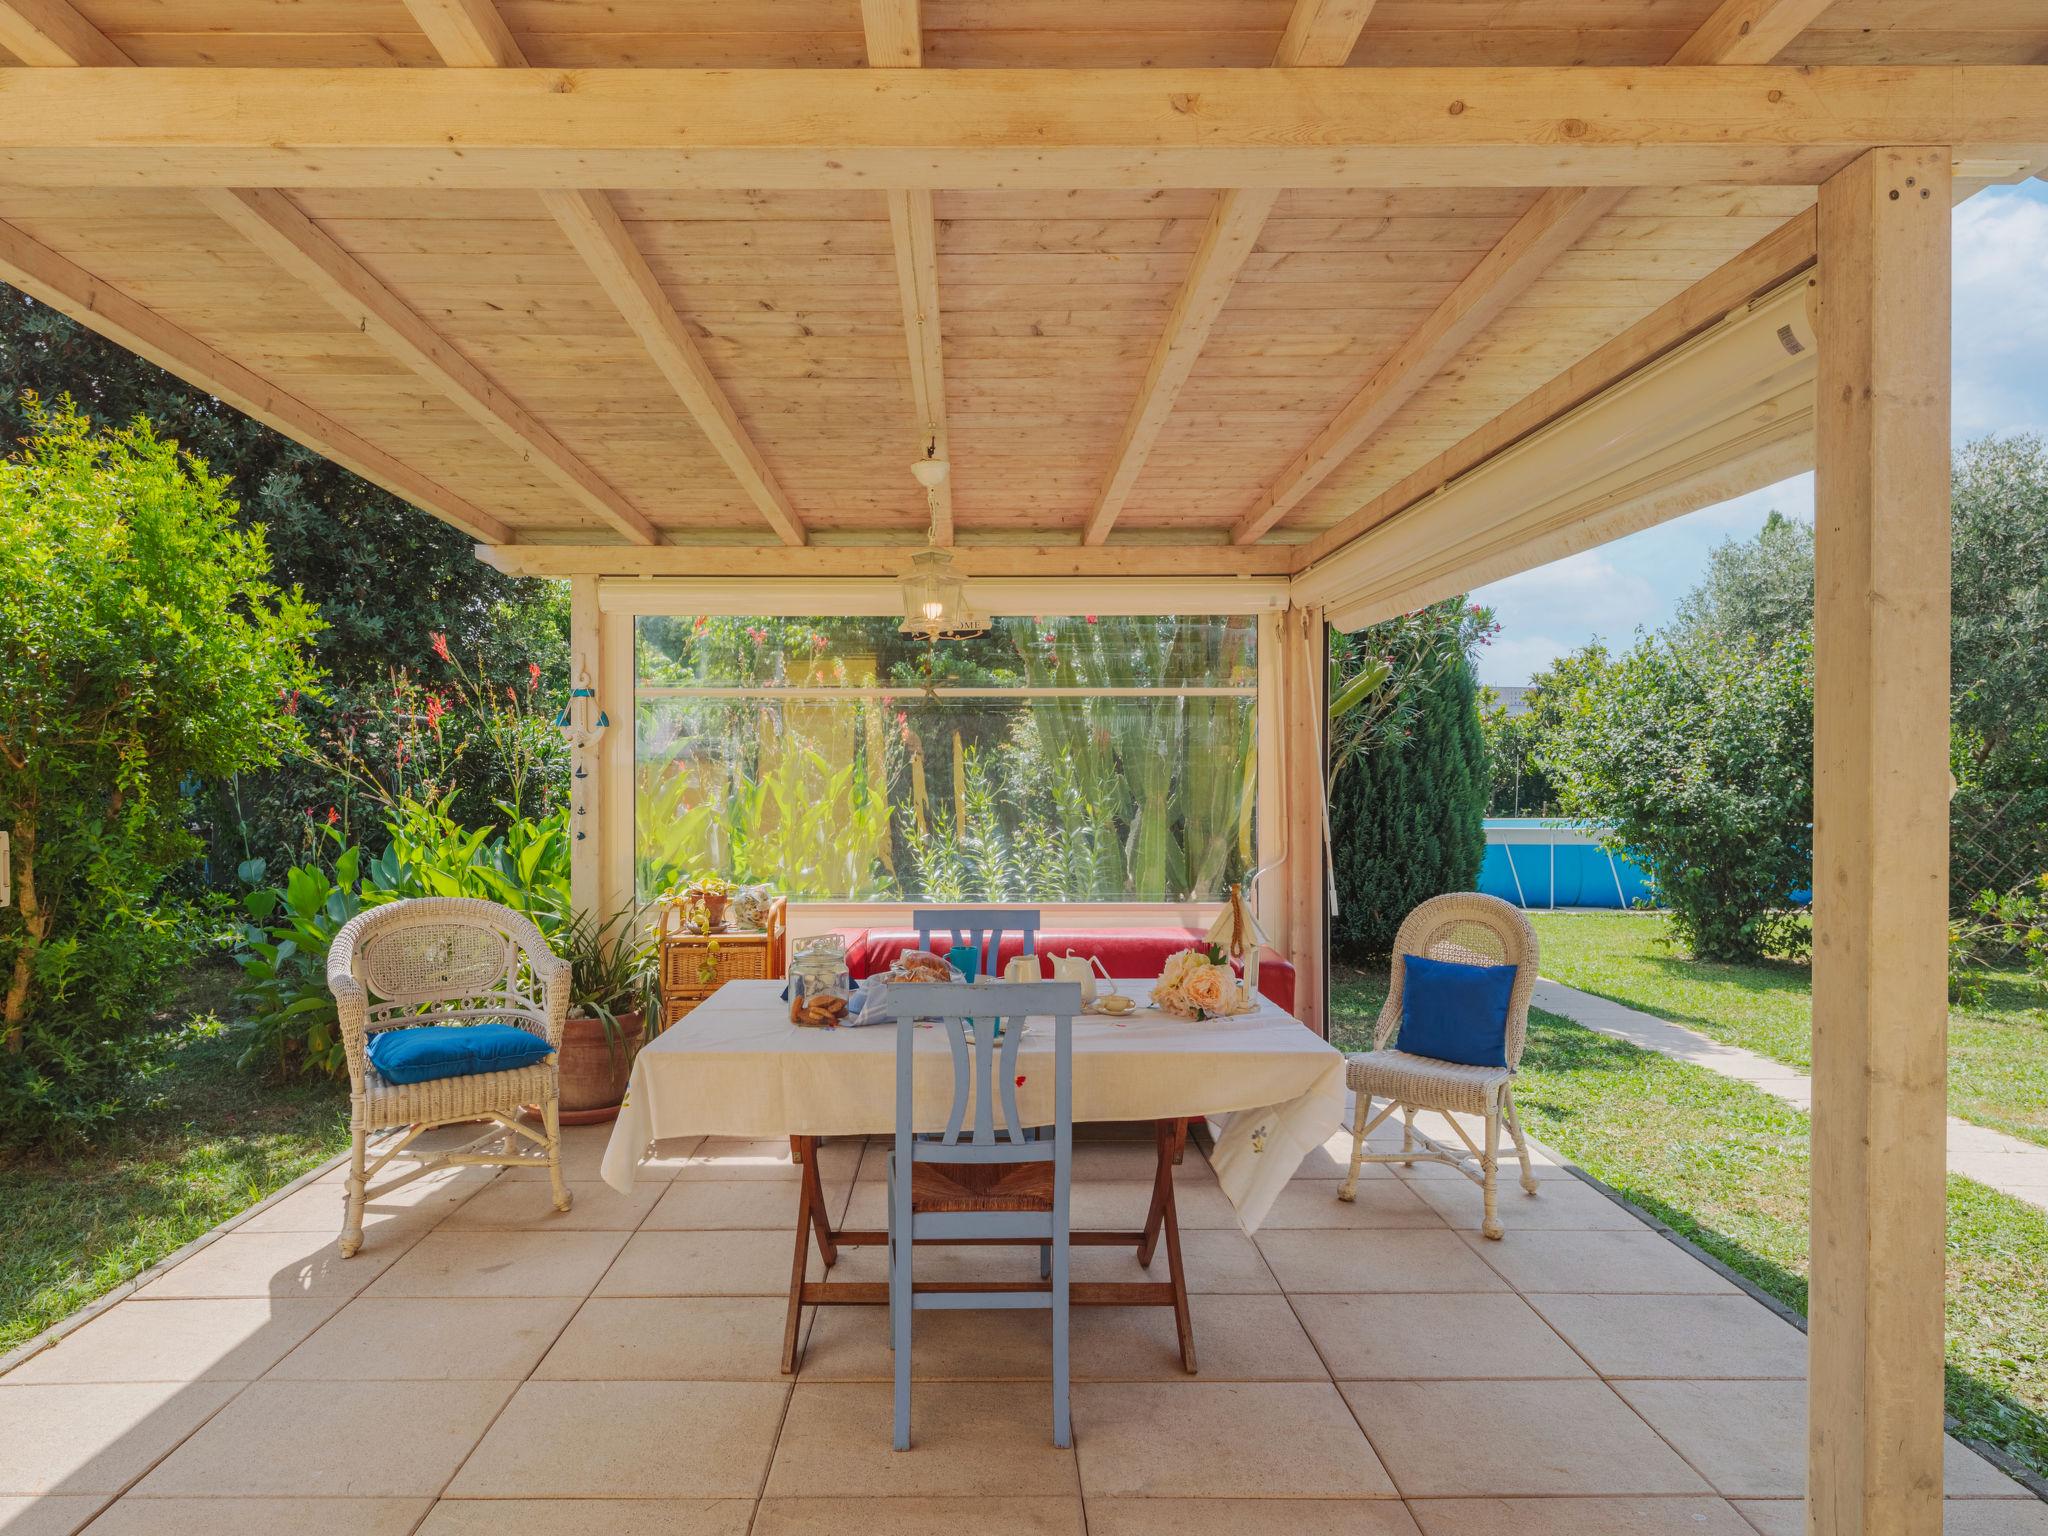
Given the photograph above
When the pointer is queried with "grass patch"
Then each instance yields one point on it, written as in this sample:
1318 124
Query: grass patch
1997 1049
212 1140
1727 1165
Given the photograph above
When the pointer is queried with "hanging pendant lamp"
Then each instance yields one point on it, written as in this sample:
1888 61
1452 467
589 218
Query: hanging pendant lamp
934 597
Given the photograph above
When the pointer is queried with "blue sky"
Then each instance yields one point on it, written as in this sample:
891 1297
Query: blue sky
2000 385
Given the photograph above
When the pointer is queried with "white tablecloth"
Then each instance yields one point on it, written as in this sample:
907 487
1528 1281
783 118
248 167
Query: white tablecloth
735 1066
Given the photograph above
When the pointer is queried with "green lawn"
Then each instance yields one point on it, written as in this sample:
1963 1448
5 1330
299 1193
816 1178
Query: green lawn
1726 1165
214 1140
1997 1049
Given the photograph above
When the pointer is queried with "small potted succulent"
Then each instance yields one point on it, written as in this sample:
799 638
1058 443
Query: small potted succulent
610 974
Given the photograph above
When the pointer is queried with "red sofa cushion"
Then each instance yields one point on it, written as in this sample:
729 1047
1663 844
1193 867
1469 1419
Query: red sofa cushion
1132 954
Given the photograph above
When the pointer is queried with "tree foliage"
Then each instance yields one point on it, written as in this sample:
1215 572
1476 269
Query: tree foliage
143 645
1698 760
1405 815
1757 590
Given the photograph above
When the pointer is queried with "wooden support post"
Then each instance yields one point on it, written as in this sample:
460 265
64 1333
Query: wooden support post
586 782
1881 783
1303 909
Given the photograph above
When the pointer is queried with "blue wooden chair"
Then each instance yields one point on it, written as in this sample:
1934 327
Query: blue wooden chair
981 927
993 1183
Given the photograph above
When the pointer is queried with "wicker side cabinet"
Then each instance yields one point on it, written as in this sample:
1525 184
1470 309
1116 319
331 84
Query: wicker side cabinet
695 965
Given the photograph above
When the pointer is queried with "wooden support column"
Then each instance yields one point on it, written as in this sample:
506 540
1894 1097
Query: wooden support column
586 780
1303 935
1881 787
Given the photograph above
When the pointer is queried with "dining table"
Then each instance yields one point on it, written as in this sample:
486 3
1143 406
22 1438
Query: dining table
1269 1089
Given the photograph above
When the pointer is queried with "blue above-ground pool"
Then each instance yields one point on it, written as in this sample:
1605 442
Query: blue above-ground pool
1538 863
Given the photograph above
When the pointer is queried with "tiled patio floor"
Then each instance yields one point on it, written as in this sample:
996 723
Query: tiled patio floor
1374 1369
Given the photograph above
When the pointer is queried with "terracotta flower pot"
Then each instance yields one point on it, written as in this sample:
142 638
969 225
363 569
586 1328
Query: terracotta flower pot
714 908
594 1075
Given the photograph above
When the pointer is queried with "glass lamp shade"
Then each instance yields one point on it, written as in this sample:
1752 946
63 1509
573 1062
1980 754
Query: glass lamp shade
935 600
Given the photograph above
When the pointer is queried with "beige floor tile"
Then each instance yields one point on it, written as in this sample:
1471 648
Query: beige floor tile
1447 1439
258 1517
1405 1336
320 1206
1597 1262
1051 1515
1389 1260
469 1338
1134 1162
715 1205
1430 1173
219 1339
1222 1440
1237 1338
728 1157
502 1264
1677 1336
967 1441
583 1148
54 1514
693 1338
312 1439
1214 1262
852 1344
1378 1203
942 1263
1748 1438
590 1517
663 1161
1558 1204
628 1439
96 1437
1332 1158
1100 1207
1248 1517
303 1264
527 1205
1959 1517
708 1264
1680 1516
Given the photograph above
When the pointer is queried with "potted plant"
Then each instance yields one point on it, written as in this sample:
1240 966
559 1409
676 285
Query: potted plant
610 973
709 893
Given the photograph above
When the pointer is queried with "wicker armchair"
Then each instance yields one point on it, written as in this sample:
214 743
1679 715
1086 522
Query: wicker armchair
446 961
1469 930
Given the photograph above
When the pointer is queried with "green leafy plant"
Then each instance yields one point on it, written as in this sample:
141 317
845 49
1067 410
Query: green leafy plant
611 970
143 647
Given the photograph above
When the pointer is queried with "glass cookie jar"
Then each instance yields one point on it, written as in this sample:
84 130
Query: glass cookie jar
820 985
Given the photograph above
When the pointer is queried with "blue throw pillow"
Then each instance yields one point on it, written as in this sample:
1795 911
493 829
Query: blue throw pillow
428 1051
1455 1012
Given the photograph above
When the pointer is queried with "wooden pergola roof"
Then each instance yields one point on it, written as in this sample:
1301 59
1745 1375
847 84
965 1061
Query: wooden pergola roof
697 272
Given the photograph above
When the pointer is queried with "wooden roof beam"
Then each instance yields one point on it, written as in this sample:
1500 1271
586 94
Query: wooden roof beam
274 224
895 40
68 288
1320 33
471 34
1739 32
1045 128
50 34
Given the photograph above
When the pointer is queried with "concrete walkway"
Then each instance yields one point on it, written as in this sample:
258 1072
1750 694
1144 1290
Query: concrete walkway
2014 1167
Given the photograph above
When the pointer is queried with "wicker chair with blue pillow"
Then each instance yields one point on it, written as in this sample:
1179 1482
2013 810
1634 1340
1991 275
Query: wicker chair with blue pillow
1449 1039
451 1012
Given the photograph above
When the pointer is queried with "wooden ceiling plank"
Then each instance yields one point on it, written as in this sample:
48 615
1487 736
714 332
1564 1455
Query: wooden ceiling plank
894 32
274 224
1739 32
1175 559
1320 33
471 34
68 288
50 34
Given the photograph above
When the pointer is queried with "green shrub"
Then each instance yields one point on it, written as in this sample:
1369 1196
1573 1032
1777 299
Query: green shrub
1405 813
143 647
1698 760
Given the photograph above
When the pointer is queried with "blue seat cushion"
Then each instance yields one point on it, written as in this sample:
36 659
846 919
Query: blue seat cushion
428 1051
1455 1012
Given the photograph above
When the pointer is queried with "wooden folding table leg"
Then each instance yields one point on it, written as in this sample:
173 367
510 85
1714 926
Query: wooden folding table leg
1170 1224
803 1254
1162 1187
814 1197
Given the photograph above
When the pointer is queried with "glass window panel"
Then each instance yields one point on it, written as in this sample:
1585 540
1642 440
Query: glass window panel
1067 759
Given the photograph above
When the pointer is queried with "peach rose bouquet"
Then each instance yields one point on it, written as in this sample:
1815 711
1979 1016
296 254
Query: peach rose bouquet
1197 983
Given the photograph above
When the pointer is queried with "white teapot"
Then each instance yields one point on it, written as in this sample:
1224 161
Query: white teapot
1072 967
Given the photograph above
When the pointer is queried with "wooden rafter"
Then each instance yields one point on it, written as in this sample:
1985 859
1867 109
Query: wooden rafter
274 224
1320 33
63 285
1740 32
471 34
1052 128
895 40
51 34
1177 561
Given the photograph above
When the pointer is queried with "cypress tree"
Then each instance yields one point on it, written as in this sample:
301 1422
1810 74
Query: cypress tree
1405 817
